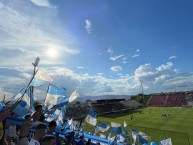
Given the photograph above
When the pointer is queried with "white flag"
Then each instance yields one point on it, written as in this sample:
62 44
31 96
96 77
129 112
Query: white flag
43 76
166 142
73 96
124 124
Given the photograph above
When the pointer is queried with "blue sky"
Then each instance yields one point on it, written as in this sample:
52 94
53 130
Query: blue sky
98 47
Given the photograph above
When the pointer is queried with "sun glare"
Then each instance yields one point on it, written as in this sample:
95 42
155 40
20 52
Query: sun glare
52 52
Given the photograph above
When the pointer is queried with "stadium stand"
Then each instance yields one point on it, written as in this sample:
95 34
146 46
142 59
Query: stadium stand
157 100
174 99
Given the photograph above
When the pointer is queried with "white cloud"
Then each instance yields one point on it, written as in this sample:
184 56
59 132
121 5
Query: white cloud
155 80
88 26
1 5
42 3
166 66
134 56
172 57
100 74
137 50
80 67
30 33
116 57
161 77
116 68
110 50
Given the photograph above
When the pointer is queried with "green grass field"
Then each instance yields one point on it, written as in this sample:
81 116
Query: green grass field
179 126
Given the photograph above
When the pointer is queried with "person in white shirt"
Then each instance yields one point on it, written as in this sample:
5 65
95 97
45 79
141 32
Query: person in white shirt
40 131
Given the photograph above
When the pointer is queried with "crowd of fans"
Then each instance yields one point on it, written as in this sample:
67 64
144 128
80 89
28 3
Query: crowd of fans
109 107
76 112
34 131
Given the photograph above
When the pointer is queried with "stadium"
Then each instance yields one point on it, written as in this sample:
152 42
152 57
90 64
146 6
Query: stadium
164 115
112 72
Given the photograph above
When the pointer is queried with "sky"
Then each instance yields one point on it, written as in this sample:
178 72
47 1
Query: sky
97 47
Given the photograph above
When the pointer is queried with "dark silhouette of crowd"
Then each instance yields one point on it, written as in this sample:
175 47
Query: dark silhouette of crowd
33 131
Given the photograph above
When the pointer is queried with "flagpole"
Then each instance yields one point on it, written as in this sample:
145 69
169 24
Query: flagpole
35 64
19 99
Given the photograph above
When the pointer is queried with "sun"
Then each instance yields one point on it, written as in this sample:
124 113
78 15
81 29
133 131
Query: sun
52 52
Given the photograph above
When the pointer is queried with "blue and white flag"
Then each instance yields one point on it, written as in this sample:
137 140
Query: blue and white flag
27 97
109 136
27 100
74 126
102 136
21 111
96 130
143 138
120 138
56 96
91 117
116 127
166 141
125 131
103 126
134 135
41 78
68 124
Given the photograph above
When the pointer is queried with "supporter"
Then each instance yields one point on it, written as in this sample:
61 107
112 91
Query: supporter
81 141
35 124
24 132
40 131
70 139
88 142
11 134
52 127
36 116
3 115
48 140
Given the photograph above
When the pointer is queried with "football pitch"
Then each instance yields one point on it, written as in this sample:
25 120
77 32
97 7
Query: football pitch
178 125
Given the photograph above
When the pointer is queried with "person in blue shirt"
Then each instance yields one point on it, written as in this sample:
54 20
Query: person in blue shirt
81 141
70 140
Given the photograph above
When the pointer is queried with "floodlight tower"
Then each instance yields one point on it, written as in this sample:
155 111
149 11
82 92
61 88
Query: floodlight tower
141 82
35 64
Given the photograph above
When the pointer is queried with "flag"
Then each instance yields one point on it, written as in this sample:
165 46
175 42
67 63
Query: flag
96 130
125 131
103 126
102 136
74 126
109 136
124 124
143 138
62 114
113 141
21 111
116 128
68 123
24 110
166 142
73 96
27 97
40 78
91 117
121 138
134 135
56 96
